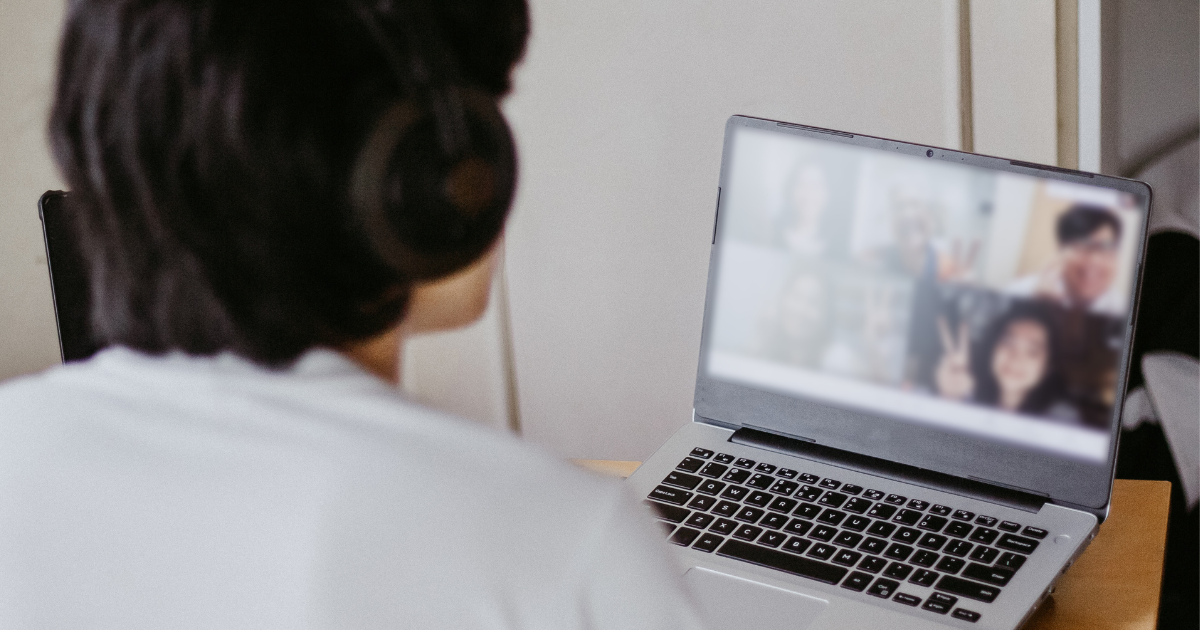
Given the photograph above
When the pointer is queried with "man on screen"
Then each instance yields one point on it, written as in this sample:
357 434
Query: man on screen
1082 275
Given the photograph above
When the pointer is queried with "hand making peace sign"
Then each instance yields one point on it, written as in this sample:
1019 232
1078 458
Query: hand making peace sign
953 375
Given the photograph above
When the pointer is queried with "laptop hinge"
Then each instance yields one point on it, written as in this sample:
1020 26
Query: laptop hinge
1018 498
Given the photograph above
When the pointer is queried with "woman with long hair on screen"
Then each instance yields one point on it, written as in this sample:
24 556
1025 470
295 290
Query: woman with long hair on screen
1016 365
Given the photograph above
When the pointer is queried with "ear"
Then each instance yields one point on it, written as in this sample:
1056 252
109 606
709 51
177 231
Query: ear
454 301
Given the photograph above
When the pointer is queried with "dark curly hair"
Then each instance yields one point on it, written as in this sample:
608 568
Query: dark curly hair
208 146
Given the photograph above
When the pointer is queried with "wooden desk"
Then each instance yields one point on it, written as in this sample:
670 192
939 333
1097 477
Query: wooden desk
1115 583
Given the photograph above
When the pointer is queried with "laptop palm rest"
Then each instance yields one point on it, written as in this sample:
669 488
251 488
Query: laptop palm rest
736 602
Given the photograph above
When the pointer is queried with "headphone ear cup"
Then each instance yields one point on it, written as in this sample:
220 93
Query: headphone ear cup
428 210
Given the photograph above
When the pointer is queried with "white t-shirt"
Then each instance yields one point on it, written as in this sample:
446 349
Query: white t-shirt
184 492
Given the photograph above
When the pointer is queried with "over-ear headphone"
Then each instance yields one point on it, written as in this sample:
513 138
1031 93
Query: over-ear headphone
432 183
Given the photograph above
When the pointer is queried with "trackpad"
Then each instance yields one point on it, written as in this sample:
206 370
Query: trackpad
735 602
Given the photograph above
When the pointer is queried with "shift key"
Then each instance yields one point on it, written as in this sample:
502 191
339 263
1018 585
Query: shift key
967 588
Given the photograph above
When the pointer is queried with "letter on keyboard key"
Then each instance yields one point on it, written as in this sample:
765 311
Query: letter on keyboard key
968 589
780 561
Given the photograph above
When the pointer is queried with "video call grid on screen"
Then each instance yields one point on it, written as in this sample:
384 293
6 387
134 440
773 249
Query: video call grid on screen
979 301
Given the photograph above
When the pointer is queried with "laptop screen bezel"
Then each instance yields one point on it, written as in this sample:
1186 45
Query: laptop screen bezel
1060 479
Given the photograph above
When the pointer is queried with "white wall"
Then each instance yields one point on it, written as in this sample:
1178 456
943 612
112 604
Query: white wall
28 41
619 112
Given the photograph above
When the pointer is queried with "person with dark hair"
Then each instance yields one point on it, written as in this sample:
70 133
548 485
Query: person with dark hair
1082 276
270 197
1015 366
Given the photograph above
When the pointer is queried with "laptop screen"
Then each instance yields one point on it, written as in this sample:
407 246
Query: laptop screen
975 301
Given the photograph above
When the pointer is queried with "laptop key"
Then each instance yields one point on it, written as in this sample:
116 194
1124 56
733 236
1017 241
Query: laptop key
881 529
858 505
856 523
984 535
898 552
848 539
883 587
906 599
786 473
736 475
702 453
950 565
963 515
761 481
1011 561
940 510
758 498
986 521
807 478
798 527
772 539
765 468
726 508
897 570
708 542
784 487
907 517
932 523
965 615
957 529
809 493
968 589
857 581
939 603
958 548
684 536
713 470
873 495
923 577
873 545
780 561
807 510
672 513
992 575
822 551
846 557
702 503
1035 532
667 494
774 521
851 489
700 521
1009 526
932 541
747 532
924 558
882 511
831 484
710 487
742 462
833 499
831 517
690 464
736 493
723 526
984 555
907 535
749 514
918 504
783 504
823 533
1019 544
872 564
896 499
797 545
681 480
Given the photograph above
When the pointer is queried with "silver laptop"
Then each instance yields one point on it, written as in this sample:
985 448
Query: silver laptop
908 396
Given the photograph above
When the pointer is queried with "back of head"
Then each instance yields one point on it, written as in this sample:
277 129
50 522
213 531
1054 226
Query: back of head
216 152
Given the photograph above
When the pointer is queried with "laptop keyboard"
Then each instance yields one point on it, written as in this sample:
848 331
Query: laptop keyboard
822 529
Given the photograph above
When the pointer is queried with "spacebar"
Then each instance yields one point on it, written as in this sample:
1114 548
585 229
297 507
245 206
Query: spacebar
781 561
